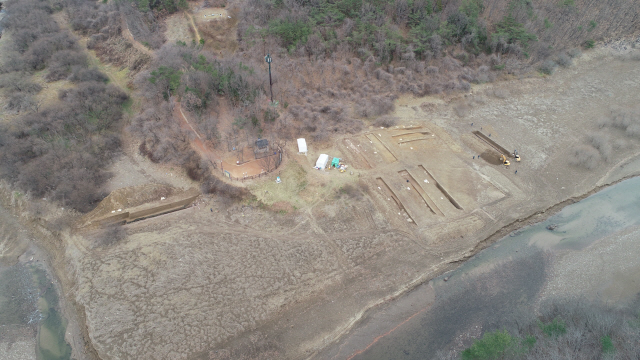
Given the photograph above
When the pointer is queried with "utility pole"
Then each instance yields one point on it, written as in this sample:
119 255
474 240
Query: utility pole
268 60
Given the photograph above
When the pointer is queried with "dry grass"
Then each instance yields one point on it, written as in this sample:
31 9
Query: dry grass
301 186
49 94
294 180
178 29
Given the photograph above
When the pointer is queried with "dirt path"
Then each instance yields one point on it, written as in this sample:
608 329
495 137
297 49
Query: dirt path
127 35
195 28
250 168
197 143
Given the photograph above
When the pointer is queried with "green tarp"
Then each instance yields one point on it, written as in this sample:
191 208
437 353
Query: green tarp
335 162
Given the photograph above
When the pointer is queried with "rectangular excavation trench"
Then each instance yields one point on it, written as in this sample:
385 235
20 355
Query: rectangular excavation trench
411 133
442 189
382 147
351 146
412 136
493 144
391 195
416 186
410 127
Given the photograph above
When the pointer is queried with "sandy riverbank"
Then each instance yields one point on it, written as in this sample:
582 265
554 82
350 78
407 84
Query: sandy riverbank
591 254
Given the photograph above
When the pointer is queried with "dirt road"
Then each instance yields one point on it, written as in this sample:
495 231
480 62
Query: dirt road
193 26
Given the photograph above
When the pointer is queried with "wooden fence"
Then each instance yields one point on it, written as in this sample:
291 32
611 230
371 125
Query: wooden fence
264 173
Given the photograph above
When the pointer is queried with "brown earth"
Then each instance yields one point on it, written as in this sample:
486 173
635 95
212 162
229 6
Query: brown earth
223 282
218 27
178 29
248 168
193 26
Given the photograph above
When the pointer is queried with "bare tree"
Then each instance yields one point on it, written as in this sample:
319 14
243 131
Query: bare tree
268 163
240 152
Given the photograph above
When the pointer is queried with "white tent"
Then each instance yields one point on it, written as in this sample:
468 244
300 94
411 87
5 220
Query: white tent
302 146
322 161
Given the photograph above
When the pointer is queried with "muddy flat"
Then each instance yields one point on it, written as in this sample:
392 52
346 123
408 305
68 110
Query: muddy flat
246 281
590 254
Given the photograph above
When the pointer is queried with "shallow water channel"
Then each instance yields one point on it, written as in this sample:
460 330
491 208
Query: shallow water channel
590 250
31 325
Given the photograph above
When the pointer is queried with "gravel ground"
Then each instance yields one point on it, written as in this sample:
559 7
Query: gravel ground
19 350
608 270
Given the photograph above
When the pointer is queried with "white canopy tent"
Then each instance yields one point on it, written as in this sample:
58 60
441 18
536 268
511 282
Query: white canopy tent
302 146
322 161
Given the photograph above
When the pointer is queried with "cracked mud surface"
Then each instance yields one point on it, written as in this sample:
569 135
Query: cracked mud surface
231 282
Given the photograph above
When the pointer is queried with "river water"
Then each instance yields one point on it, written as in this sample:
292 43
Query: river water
589 250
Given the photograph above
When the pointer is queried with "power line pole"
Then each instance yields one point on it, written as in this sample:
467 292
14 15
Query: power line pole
268 60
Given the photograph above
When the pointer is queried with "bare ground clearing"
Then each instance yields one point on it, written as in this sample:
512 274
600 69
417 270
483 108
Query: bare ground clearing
178 29
223 282
218 28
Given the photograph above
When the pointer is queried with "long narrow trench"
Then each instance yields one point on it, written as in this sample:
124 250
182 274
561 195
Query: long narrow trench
382 148
442 189
391 195
431 205
493 144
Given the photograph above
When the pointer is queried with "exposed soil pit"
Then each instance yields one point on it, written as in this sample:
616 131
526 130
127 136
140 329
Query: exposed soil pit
410 133
382 147
441 188
413 136
491 156
416 186
369 151
492 143
389 194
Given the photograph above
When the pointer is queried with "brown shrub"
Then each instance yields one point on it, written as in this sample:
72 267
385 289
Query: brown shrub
213 185
462 110
385 121
602 143
585 156
63 62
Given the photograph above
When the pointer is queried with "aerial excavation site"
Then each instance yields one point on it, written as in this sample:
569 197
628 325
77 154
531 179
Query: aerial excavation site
348 179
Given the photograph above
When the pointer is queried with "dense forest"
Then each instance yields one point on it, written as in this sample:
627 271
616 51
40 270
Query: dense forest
59 150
